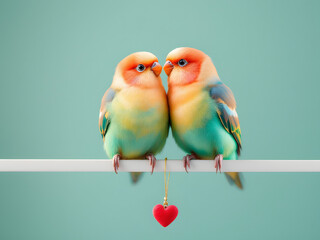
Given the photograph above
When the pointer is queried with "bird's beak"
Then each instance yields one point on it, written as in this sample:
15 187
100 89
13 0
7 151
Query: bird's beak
168 66
156 68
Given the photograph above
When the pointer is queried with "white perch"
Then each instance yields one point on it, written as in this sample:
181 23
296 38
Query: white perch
99 165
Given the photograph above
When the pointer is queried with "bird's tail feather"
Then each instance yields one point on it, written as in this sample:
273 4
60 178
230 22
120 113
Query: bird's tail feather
135 176
234 178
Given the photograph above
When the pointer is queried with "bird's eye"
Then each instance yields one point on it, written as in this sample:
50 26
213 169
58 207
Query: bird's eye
140 68
182 62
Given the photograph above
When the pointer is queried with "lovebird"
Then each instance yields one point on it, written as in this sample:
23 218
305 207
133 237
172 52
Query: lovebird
203 114
134 115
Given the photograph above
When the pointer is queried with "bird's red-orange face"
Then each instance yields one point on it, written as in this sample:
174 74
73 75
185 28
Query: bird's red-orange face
183 65
139 68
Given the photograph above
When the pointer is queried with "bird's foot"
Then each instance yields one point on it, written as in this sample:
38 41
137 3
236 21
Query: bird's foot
116 162
152 161
218 162
186 161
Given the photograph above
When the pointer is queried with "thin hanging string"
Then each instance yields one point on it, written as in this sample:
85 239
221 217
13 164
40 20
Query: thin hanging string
166 184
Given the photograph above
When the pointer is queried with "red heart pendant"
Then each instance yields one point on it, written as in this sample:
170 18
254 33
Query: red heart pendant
165 216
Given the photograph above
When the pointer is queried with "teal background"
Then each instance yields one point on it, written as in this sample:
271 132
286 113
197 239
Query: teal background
57 58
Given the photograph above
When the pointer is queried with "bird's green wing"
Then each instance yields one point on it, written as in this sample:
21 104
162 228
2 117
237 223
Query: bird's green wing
226 109
104 118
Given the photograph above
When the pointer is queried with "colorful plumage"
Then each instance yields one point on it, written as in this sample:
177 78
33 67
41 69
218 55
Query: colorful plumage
134 111
203 113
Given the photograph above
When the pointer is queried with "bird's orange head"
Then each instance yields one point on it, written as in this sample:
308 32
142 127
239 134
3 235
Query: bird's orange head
187 65
140 68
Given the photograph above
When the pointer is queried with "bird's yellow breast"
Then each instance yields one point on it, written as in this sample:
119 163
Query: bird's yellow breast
141 111
190 106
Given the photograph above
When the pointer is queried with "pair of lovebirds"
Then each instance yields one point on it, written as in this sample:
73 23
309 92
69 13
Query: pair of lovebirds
136 112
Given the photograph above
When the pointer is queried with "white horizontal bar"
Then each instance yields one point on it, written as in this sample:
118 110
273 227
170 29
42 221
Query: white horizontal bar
98 165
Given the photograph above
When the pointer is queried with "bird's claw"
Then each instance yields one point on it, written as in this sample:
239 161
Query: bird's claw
116 162
152 161
218 162
186 161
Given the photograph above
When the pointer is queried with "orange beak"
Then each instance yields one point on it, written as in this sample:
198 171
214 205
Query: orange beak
168 66
156 68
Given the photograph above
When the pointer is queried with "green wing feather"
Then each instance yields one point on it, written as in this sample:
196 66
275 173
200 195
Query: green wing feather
226 109
104 118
